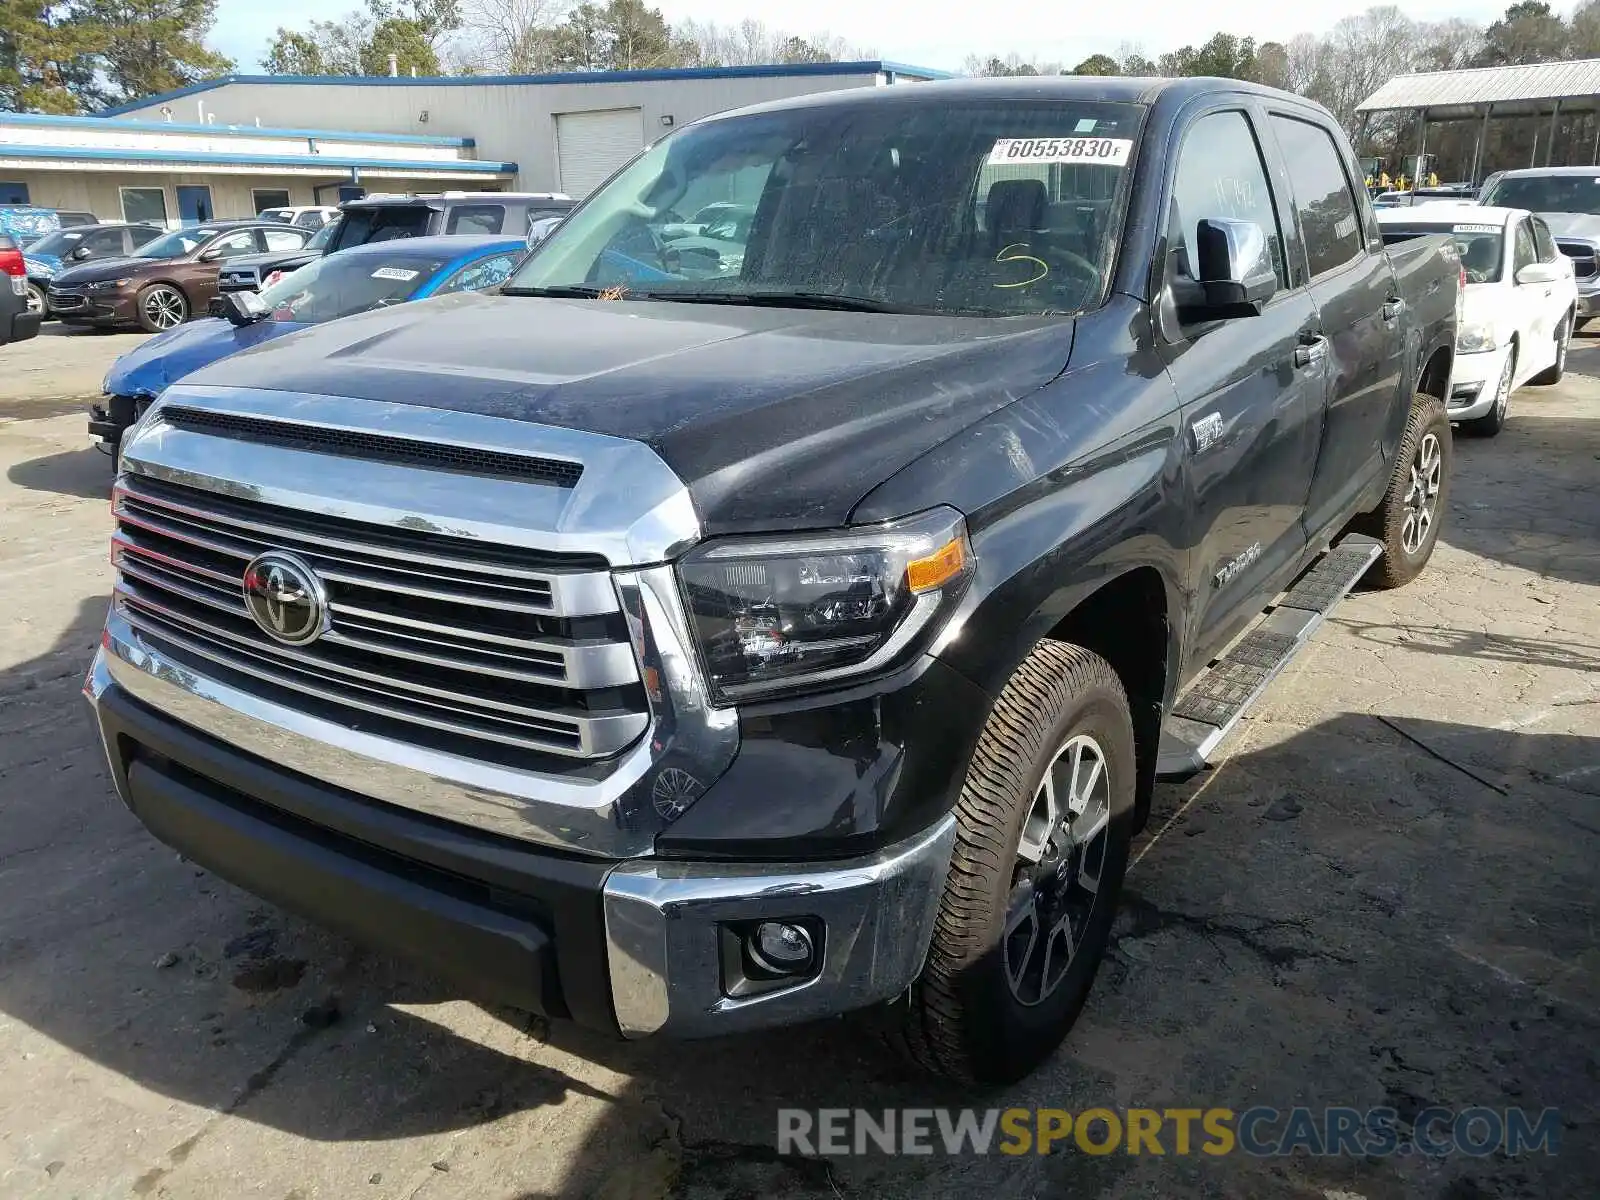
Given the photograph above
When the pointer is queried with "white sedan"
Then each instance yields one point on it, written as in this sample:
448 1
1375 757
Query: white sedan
1517 310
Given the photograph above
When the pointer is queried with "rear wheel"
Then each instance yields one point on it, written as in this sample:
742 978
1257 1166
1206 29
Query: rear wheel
1044 822
1407 522
1554 372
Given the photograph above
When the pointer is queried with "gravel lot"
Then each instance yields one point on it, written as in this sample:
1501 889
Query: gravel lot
1385 894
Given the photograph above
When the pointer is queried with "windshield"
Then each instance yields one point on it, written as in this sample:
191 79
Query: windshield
340 284
979 208
1548 193
57 243
174 244
324 235
1482 247
383 223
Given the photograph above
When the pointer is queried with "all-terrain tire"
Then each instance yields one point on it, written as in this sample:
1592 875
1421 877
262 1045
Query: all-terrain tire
1426 441
960 1019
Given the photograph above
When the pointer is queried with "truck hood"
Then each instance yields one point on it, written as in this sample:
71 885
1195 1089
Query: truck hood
152 366
1579 225
775 418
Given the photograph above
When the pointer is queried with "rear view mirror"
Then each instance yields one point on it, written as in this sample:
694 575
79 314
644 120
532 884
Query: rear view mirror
1539 272
244 308
1234 265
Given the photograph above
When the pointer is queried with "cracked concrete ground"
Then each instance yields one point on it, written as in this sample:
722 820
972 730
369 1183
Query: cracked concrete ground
1384 895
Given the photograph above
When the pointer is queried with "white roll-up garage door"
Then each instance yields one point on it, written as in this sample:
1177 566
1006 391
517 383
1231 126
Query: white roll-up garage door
591 145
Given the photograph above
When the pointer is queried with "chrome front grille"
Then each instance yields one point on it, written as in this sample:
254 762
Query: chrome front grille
1583 258
486 651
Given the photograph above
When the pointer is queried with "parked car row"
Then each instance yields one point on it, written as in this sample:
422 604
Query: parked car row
357 280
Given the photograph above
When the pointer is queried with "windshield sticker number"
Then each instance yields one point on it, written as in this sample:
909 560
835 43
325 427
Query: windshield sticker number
398 273
1113 152
1475 229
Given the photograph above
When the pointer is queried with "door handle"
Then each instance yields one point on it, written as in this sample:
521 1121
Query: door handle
1393 308
1313 348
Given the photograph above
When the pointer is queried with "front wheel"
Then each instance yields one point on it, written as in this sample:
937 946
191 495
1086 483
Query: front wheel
1493 421
1407 522
1043 827
38 301
162 307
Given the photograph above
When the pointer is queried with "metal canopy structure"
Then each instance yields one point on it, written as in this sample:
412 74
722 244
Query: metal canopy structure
1483 93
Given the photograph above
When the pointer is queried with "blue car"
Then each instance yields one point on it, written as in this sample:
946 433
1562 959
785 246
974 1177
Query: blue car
352 281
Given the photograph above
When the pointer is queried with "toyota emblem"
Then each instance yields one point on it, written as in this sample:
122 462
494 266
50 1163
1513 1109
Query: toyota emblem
285 598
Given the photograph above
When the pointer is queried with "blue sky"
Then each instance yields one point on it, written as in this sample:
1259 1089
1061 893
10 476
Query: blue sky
933 33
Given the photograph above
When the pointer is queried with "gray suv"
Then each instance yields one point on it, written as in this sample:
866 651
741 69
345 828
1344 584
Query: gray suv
379 218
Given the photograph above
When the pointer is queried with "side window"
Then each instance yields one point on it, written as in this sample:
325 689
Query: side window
1220 176
1322 194
104 243
1542 240
483 273
476 218
283 239
1526 252
235 244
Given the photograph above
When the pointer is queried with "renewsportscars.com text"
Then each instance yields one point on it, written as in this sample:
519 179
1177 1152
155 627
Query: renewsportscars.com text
1259 1131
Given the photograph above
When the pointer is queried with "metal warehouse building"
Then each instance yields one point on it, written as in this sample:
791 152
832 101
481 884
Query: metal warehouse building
235 145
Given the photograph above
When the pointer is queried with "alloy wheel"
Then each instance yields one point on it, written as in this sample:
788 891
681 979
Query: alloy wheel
1422 496
1502 393
164 307
1562 336
1060 858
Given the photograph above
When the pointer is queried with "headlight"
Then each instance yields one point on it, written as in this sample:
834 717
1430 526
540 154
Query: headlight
785 612
1475 339
107 285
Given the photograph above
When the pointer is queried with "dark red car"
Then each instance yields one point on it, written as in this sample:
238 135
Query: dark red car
164 282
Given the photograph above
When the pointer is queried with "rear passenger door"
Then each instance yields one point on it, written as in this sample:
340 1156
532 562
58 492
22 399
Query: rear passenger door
1251 390
1360 315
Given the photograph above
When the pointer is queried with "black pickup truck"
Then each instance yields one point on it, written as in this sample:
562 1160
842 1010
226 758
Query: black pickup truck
691 641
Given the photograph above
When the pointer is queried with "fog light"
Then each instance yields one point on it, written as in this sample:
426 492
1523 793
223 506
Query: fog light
781 948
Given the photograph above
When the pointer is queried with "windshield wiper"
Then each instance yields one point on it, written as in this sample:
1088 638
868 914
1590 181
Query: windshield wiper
569 291
822 300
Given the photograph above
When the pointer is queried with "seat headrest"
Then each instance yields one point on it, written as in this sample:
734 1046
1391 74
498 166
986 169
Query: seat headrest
1017 204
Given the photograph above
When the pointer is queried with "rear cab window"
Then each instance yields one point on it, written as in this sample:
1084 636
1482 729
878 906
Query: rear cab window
476 218
381 223
1324 200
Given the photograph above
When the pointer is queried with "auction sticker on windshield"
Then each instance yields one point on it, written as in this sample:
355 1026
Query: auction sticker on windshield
1476 229
1113 152
400 273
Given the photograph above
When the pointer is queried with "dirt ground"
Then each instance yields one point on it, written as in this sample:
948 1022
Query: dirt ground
1384 895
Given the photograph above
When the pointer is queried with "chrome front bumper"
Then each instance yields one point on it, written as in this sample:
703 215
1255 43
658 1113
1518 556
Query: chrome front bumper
666 928
668 947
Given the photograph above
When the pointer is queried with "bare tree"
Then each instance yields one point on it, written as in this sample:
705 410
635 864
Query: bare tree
511 37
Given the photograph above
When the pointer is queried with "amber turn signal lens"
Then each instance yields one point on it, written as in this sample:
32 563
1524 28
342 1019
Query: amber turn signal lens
938 568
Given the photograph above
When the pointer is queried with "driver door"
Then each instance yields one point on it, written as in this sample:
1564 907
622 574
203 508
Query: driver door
1252 388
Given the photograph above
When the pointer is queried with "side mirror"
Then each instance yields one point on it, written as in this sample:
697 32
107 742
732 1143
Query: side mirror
541 229
244 308
1234 268
1539 272
79 253
211 255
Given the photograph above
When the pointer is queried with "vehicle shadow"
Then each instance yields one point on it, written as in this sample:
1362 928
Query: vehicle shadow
1528 497
1477 643
87 473
1337 918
